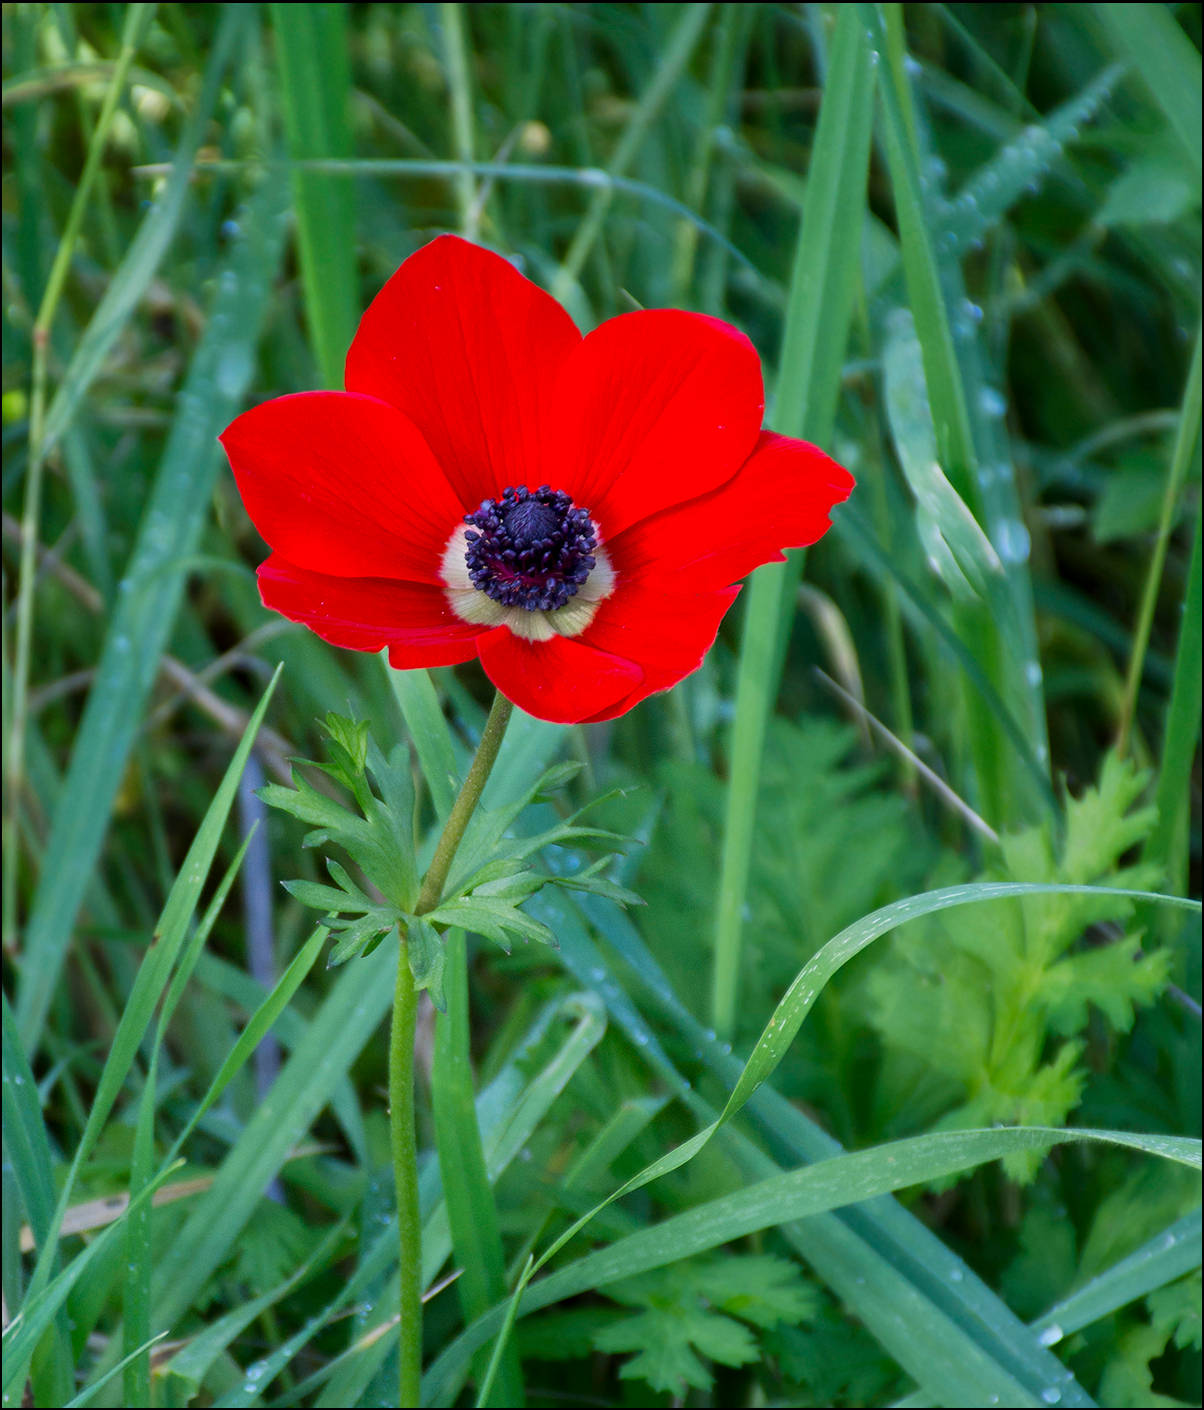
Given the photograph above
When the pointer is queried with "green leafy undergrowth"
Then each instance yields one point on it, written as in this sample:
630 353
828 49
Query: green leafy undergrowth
989 1008
816 807
1138 1347
679 1321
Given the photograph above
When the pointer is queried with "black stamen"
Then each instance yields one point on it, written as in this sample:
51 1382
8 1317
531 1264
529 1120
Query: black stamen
530 549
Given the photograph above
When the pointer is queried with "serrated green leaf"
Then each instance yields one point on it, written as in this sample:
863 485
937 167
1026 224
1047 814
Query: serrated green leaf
666 1338
360 937
495 919
426 955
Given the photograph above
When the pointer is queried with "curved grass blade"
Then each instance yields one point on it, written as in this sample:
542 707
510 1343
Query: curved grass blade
797 1194
925 1306
799 998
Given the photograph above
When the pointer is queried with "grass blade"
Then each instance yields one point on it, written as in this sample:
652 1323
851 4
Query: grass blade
419 704
151 983
1187 437
677 53
315 90
1004 651
1169 840
796 1194
1167 1256
27 1155
814 341
145 611
800 997
137 269
1149 37
471 1211
922 1302
346 1021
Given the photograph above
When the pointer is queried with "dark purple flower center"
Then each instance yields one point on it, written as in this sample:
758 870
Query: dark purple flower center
531 548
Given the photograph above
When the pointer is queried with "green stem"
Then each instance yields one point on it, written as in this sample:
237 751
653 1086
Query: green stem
1185 444
402 1138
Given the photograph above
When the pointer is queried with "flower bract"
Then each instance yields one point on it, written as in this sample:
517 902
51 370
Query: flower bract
573 511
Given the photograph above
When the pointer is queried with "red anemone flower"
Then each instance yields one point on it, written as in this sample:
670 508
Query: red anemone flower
574 511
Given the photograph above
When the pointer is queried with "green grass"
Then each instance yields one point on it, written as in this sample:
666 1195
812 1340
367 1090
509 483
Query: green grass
867 1105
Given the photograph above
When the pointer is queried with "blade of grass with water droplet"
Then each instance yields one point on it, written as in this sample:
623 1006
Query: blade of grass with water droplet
1160 1260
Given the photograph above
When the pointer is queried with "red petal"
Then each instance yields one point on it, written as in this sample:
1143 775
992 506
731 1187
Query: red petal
781 498
366 614
561 680
653 408
666 632
470 351
345 484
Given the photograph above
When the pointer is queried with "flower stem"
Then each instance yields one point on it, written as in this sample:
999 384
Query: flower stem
465 805
402 1138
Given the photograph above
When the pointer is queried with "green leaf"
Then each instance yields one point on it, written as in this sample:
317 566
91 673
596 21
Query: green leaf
381 840
495 919
665 1338
425 951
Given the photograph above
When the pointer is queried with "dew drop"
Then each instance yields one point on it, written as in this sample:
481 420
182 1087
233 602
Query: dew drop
1013 541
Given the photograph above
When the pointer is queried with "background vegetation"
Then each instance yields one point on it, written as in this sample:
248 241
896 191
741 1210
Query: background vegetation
966 241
